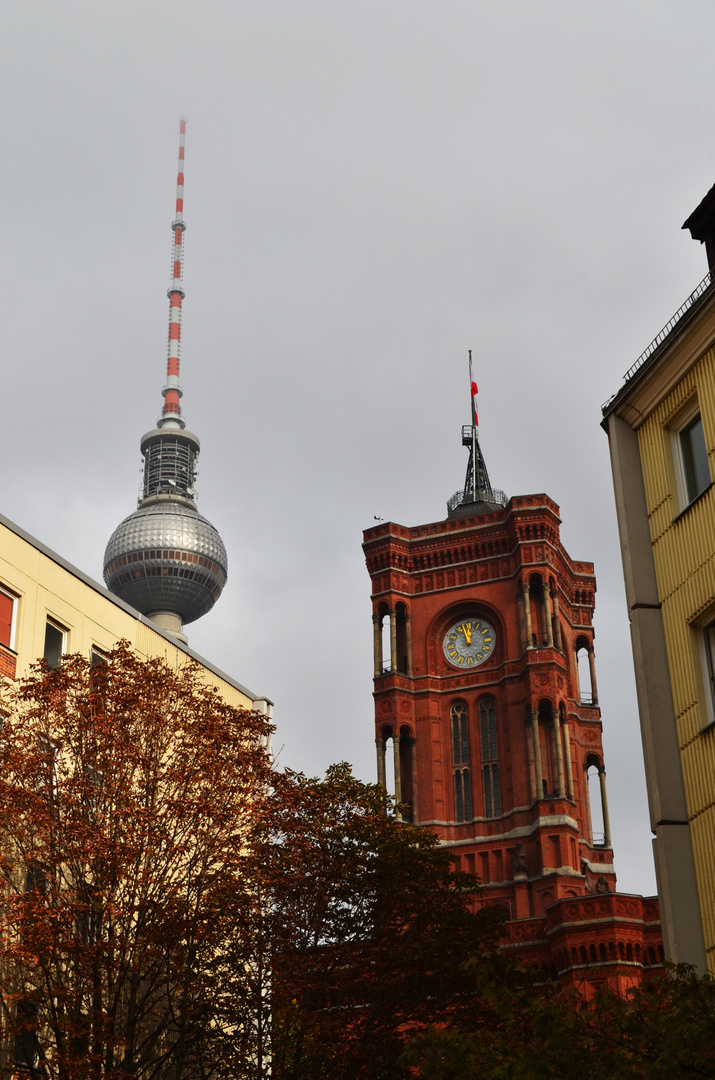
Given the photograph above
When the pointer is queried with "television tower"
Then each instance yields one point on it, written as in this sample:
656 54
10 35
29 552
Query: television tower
165 559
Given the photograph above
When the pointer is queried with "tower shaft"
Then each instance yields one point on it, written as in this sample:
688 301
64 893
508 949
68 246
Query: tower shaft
171 412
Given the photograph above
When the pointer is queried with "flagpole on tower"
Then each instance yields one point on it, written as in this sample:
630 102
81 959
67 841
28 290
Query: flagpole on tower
473 392
477 492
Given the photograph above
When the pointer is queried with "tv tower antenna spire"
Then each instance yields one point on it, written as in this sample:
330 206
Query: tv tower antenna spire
165 559
171 412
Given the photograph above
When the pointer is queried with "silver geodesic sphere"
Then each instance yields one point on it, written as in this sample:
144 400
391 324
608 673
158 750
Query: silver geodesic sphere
166 557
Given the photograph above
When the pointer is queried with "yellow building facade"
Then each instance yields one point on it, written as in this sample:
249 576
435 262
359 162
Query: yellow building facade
661 428
48 607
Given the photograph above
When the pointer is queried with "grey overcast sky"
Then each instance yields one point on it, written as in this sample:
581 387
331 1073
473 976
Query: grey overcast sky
372 188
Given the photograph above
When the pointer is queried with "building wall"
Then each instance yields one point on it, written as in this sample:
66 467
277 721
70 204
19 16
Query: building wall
47 587
684 559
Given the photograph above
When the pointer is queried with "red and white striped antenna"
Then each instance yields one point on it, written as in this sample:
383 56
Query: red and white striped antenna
171 413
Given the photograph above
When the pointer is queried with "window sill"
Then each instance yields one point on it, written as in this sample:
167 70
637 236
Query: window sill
695 500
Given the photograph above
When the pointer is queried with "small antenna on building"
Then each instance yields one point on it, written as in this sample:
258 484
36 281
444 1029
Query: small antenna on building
377 518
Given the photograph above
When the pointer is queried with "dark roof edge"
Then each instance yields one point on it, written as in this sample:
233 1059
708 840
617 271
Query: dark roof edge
126 607
608 407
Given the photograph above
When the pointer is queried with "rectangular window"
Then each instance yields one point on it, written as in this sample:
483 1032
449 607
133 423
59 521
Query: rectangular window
7 619
690 457
98 657
54 644
695 458
27 1046
707 643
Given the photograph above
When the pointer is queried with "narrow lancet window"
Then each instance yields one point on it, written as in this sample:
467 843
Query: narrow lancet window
490 757
459 720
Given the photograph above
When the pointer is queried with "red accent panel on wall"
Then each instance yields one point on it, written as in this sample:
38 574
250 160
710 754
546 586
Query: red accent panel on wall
6 606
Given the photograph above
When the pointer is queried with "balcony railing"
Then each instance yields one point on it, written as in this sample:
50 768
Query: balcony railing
460 497
695 295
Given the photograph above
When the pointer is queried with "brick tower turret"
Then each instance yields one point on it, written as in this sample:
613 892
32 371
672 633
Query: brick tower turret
482 622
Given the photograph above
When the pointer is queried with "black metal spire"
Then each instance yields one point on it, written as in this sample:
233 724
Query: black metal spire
478 496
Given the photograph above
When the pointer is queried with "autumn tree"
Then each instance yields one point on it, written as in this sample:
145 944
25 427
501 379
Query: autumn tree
370 927
131 798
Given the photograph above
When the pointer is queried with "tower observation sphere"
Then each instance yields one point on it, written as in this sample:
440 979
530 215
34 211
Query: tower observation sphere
165 559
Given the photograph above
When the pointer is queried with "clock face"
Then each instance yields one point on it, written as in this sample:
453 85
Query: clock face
469 642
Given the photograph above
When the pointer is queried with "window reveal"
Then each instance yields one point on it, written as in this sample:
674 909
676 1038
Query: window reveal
459 721
490 757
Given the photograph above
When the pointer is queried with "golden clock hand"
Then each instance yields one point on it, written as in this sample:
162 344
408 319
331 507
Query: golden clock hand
467 633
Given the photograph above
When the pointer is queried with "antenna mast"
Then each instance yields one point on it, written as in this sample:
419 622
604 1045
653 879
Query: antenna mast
171 413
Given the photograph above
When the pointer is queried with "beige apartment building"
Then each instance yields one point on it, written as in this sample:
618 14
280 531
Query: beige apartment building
48 607
661 429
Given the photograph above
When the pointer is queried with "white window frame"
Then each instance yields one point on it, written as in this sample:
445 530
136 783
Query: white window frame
684 419
62 629
13 624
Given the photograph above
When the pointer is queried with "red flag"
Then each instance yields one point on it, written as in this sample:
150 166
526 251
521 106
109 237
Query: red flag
473 385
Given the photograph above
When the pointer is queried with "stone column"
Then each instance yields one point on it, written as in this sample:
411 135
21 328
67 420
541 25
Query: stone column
537 755
556 717
529 735
408 639
557 621
604 808
377 644
381 770
527 615
393 640
567 759
546 594
592 672
398 775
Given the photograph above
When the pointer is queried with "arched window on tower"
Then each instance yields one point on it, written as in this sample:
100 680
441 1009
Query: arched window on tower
384 662
490 757
595 803
583 665
549 771
536 610
401 638
459 723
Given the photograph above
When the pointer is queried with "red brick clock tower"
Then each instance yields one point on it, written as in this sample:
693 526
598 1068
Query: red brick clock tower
479 621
